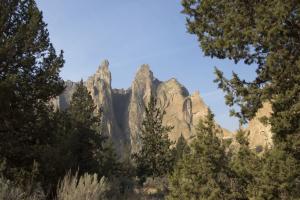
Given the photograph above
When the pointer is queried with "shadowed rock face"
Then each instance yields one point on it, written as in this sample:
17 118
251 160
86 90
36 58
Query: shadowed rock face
123 110
63 100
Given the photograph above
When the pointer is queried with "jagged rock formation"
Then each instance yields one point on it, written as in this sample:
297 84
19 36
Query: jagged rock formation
141 89
123 110
175 99
99 85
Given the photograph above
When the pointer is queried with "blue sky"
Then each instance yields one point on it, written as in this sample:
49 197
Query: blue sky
133 32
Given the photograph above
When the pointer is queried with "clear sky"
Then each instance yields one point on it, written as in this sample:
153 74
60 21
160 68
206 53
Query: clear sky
133 32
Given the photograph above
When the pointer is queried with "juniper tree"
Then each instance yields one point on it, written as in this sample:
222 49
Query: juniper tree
245 165
266 35
278 177
203 172
29 78
155 157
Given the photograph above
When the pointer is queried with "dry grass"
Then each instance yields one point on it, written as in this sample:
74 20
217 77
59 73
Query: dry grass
9 191
86 187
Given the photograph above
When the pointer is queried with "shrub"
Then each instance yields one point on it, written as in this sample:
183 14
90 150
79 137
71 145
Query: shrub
10 191
84 187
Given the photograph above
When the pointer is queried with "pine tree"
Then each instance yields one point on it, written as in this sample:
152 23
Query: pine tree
82 108
89 147
155 157
180 148
266 35
203 172
29 78
245 165
277 178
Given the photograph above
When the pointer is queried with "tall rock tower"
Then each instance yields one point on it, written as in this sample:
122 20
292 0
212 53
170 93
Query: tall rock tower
123 110
141 89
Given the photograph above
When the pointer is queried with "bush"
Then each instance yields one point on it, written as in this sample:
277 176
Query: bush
10 191
84 187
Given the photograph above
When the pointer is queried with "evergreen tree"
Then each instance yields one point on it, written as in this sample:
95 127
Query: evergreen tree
155 157
108 163
203 172
29 78
57 158
180 148
277 178
90 149
245 164
82 108
265 34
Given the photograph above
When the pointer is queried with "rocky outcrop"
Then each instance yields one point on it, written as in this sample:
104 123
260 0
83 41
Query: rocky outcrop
123 110
175 100
260 135
99 85
141 89
63 100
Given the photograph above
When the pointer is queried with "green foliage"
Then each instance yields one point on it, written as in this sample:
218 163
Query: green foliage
37 144
155 157
82 108
203 172
278 178
265 34
29 78
12 190
180 148
84 140
245 165
89 149
79 144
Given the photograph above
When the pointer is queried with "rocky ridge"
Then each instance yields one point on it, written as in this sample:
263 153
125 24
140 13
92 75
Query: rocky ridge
123 110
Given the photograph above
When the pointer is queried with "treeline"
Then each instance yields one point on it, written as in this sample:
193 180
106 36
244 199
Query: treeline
210 167
52 154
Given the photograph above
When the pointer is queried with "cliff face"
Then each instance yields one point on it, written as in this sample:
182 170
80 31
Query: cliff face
123 110
141 89
99 86
175 99
63 100
260 135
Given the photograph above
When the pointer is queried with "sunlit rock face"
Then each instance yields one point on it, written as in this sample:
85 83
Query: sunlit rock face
99 86
123 110
260 135
141 89
175 100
